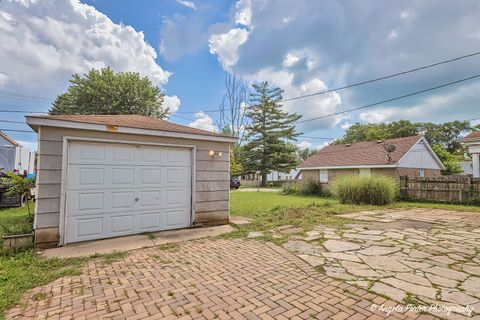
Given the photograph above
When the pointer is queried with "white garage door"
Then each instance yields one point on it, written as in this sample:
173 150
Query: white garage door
122 189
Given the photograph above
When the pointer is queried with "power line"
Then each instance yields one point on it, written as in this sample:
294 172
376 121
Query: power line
384 77
14 130
9 94
9 121
22 111
362 82
391 99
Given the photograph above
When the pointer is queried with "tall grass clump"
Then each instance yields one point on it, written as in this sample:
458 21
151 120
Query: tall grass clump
308 187
374 190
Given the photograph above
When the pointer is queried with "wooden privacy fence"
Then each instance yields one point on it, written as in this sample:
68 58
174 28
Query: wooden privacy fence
456 189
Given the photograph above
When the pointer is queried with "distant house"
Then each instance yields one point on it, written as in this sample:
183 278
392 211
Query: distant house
411 156
467 167
472 141
283 176
13 156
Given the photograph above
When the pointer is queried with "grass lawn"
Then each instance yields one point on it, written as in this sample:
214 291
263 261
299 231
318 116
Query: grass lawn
269 210
15 220
24 271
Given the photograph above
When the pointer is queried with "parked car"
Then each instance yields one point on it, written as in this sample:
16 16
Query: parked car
234 183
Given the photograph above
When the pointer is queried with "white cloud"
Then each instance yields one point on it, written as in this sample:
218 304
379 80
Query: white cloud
243 13
440 105
181 35
172 103
203 121
278 33
30 145
43 42
304 144
345 125
290 60
226 45
392 35
188 4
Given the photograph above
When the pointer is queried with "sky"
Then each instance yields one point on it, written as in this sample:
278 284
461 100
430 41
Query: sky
187 47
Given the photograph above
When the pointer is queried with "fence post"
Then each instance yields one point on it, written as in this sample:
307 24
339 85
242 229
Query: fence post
403 186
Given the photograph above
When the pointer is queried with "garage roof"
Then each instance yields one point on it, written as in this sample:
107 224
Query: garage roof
123 121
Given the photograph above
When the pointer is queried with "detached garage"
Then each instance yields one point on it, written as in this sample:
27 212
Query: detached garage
115 175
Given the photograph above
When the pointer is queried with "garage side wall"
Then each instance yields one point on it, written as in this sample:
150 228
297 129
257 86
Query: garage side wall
212 178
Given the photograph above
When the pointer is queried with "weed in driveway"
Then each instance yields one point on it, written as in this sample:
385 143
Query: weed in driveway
169 246
115 256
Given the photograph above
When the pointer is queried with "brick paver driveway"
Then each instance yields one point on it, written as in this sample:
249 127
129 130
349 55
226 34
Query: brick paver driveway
385 259
200 279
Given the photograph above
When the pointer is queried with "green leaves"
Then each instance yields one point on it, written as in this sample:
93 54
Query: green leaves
450 161
16 184
269 133
445 134
106 92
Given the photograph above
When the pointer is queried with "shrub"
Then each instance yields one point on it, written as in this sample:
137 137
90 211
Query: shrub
375 190
308 187
291 188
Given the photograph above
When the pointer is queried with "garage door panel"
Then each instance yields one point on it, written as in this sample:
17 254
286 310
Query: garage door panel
149 222
101 194
85 203
176 176
122 200
149 199
86 228
151 155
123 153
177 157
121 224
151 176
175 198
123 176
176 218
88 177
87 153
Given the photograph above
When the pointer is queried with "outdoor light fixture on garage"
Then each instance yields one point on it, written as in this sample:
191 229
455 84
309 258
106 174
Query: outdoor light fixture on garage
212 153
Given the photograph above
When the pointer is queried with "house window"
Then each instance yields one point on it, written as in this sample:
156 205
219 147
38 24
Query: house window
421 173
364 171
323 175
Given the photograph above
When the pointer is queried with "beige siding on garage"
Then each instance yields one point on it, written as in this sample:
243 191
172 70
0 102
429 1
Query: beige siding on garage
212 177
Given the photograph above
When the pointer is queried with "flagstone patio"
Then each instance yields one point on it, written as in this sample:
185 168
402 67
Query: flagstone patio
421 256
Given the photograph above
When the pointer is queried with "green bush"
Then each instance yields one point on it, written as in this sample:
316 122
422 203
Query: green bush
291 188
376 190
309 187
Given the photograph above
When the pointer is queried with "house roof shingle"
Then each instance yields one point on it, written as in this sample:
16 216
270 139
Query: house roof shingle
472 135
360 154
131 121
15 143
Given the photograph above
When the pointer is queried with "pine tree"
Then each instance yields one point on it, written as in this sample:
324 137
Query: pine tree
269 133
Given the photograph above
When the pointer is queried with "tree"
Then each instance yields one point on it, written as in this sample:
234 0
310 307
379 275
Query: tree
18 185
446 134
450 161
106 92
306 153
269 133
233 107
236 167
